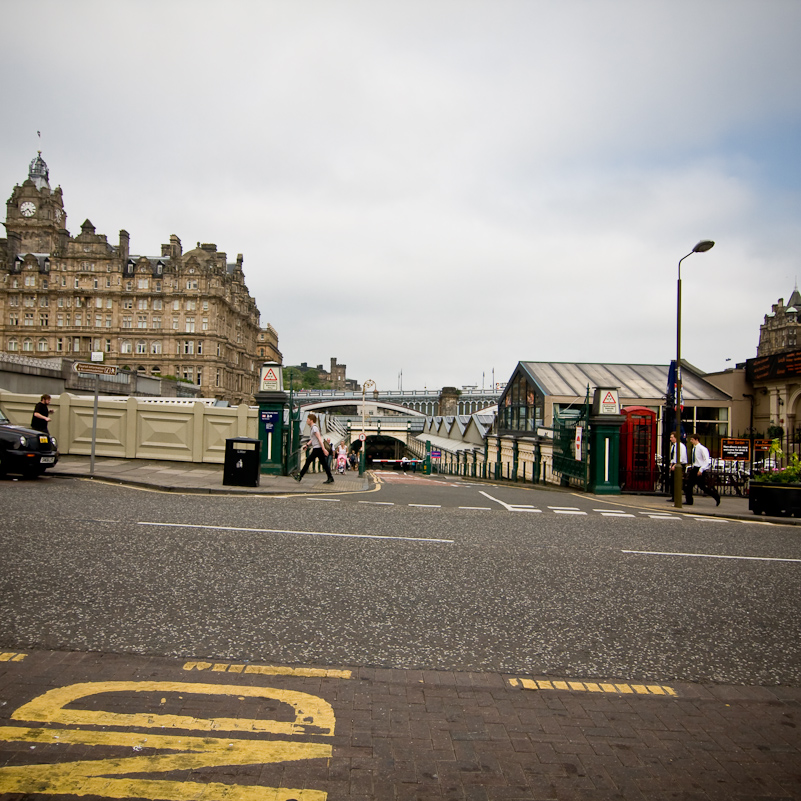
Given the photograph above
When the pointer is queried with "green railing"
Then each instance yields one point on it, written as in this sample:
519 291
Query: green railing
570 460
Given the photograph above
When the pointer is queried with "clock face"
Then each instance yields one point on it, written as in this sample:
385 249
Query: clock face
28 209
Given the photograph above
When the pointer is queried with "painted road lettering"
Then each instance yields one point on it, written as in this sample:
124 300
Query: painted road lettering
308 715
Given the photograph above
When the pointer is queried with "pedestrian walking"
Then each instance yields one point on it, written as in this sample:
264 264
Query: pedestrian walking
683 457
42 414
698 472
318 450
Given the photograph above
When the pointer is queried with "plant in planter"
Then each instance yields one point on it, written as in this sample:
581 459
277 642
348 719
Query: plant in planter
777 492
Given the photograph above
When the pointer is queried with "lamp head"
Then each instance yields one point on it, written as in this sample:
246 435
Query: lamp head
703 246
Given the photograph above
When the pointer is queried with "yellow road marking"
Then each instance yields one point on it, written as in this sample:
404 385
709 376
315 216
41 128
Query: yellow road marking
313 715
270 670
594 687
100 777
12 657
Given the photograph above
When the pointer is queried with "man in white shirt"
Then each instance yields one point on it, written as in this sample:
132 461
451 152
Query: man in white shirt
683 454
698 473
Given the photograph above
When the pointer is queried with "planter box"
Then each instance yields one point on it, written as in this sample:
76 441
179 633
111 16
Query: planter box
775 500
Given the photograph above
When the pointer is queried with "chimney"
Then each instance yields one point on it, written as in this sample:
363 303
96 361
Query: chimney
125 245
175 246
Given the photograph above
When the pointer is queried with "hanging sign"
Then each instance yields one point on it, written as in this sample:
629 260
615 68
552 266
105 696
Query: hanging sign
577 443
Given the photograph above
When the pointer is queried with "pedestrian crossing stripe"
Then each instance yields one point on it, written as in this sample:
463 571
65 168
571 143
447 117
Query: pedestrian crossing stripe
595 687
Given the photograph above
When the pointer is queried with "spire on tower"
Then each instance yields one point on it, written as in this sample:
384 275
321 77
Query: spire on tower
38 172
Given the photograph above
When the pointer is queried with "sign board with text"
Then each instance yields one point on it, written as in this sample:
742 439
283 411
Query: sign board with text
94 368
735 449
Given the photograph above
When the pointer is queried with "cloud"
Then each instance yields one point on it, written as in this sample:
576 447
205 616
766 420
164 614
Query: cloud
443 188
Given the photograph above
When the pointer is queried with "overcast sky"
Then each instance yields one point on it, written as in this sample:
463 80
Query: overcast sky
438 188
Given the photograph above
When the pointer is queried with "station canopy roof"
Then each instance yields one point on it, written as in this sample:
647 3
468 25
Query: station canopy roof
636 381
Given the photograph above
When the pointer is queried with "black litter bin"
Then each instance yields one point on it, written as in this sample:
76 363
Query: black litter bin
242 462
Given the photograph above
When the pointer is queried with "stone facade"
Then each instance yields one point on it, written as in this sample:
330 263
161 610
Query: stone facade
188 315
779 332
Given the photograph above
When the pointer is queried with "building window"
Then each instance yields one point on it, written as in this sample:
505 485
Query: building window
190 325
143 283
29 300
199 379
129 286
205 324
125 346
127 303
155 347
108 346
141 321
188 347
77 282
13 345
175 323
98 321
13 318
156 321
30 280
13 300
191 305
142 305
43 319
44 302
108 321
28 318
200 347
176 305
191 283
157 304
158 286
59 345
141 346
127 321
78 319
27 345
41 346
95 283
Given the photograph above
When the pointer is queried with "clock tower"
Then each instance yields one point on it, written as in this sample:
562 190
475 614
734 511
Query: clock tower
35 218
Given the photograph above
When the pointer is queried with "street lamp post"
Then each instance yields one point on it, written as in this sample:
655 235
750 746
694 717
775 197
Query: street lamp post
701 247
362 451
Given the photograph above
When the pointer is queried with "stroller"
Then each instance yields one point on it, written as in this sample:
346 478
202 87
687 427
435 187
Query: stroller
342 462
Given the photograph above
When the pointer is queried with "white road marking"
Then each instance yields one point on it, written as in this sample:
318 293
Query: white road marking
289 531
511 507
568 512
378 503
426 505
325 500
715 556
616 514
482 508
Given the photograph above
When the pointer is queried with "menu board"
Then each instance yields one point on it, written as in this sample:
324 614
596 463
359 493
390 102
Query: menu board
738 449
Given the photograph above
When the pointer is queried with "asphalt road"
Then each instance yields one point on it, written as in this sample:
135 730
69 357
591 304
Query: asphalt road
420 573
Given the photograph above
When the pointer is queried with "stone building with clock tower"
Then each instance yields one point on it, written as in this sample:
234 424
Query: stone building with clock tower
187 315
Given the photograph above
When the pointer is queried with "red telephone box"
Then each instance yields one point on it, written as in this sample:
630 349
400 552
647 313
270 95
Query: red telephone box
638 447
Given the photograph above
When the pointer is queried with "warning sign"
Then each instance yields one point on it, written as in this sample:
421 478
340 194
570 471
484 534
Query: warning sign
606 401
271 378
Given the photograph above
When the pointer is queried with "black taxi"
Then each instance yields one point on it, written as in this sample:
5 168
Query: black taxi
25 450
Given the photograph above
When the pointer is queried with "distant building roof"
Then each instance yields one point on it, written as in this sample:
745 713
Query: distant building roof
636 381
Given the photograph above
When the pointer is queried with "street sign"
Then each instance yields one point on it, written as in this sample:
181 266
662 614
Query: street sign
362 437
94 368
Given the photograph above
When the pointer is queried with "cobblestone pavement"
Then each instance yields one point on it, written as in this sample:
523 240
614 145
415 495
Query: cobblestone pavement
102 726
